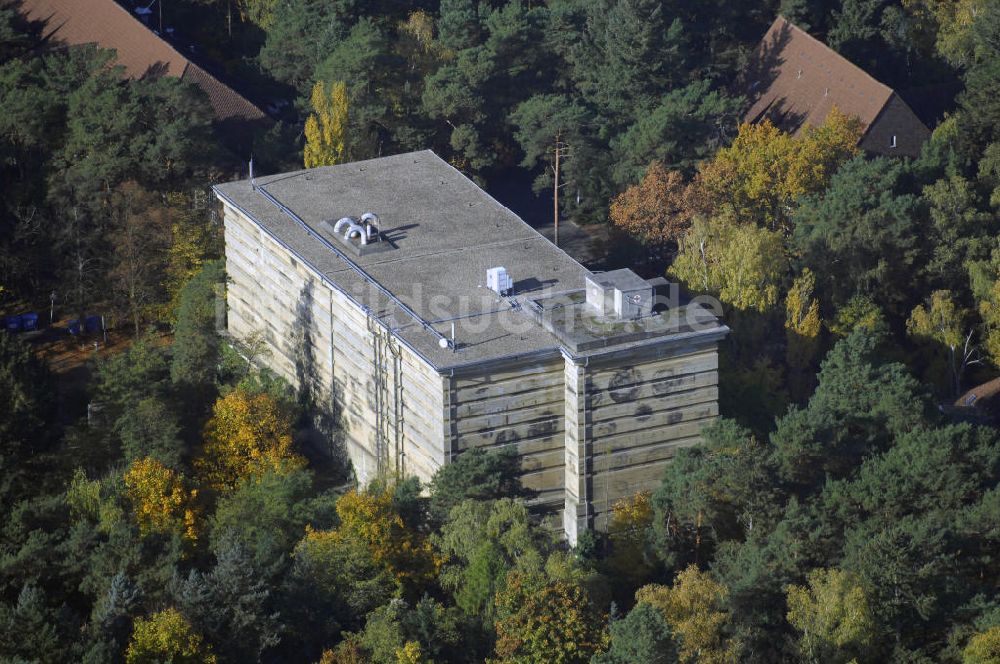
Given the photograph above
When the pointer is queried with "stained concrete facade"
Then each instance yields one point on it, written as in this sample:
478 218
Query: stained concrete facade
594 405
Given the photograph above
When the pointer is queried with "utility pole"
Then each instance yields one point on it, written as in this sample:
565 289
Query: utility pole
159 4
555 191
559 150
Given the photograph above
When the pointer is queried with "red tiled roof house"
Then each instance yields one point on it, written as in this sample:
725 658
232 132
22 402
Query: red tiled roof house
794 80
140 50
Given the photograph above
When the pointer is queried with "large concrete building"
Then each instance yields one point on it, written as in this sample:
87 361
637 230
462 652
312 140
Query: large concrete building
429 320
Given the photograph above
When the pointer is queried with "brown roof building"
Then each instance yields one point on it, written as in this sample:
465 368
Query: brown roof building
140 50
794 80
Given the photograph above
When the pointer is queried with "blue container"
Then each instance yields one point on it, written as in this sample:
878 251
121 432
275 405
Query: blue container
12 323
29 322
92 324
74 327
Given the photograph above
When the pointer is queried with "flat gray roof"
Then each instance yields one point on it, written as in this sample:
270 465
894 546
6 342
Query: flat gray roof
623 279
445 232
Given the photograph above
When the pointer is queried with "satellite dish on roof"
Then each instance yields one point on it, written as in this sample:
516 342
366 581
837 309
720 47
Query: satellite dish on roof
443 343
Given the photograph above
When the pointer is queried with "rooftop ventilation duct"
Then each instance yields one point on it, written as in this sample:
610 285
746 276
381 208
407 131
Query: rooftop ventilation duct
344 221
370 221
356 230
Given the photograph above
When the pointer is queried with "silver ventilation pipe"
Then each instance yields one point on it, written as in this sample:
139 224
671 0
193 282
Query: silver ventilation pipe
355 229
370 220
342 222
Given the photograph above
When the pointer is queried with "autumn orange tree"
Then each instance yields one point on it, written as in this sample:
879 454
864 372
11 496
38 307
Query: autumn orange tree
160 501
248 434
659 209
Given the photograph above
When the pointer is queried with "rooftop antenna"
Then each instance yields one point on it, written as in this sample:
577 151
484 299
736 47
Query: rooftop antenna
444 343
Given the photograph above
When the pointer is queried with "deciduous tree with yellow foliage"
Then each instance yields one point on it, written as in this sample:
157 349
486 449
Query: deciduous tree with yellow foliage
989 311
942 322
946 25
983 648
247 435
410 653
740 263
542 621
759 177
194 239
167 636
160 500
631 518
259 12
833 616
326 127
692 608
368 517
802 328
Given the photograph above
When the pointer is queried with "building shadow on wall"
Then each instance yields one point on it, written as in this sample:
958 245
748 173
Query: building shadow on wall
321 431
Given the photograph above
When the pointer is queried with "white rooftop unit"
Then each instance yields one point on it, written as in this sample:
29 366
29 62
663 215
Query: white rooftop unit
498 280
620 294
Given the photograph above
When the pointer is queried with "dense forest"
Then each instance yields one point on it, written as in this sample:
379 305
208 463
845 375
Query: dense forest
170 506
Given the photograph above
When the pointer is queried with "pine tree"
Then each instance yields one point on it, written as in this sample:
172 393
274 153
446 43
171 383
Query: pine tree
458 26
196 342
232 604
642 636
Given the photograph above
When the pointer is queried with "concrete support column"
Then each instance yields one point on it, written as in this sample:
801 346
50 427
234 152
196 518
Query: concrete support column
449 433
577 511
